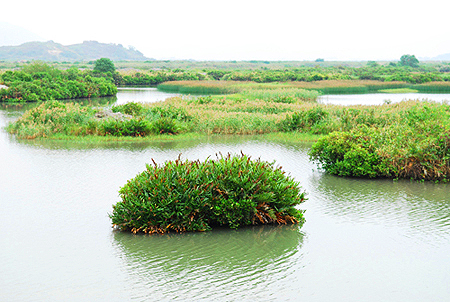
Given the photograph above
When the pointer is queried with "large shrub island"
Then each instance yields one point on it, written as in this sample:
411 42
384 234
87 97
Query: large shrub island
41 82
231 191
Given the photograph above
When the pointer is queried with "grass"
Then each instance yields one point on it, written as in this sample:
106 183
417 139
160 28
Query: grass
247 89
200 87
399 90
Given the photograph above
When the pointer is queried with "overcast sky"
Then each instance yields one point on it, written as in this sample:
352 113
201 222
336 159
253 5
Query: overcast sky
244 30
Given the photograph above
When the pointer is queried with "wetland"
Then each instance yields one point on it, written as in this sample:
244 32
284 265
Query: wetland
363 239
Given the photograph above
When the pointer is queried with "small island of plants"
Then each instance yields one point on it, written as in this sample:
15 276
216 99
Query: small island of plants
232 191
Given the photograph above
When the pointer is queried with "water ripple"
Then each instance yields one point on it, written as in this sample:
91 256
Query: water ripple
206 265
420 209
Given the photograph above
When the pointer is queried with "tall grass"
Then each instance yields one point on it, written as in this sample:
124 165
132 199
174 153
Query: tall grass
301 90
280 95
199 87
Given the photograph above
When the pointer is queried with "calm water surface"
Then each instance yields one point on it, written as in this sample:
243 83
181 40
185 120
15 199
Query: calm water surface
364 240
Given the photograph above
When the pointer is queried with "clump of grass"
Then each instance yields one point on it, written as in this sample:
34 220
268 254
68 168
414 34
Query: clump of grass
127 127
187 195
52 117
129 108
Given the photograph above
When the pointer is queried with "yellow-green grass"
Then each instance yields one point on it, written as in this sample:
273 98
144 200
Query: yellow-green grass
223 115
201 87
399 90
323 87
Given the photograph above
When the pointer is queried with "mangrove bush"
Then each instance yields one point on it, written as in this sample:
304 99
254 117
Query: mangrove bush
41 82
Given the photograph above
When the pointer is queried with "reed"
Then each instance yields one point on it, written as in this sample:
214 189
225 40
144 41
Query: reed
433 87
280 95
199 87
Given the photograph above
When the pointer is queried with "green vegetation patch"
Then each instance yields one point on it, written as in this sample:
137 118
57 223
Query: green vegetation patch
231 191
41 82
413 142
200 87
55 118
399 90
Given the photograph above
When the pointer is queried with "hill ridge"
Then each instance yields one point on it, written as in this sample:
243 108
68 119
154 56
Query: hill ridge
86 51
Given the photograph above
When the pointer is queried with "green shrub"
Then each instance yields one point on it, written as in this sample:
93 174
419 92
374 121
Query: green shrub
304 120
130 108
165 125
347 154
187 195
41 82
170 112
131 127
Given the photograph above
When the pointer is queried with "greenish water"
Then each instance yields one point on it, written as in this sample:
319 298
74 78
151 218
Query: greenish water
363 240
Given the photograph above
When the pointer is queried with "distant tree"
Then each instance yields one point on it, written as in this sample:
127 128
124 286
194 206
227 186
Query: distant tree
104 65
372 64
409 60
320 60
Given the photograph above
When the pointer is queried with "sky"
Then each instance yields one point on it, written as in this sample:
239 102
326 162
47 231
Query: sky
244 30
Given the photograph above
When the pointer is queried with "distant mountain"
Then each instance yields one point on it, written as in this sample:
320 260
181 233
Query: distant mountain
86 51
12 35
443 57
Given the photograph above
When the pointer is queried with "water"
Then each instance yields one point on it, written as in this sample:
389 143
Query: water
151 95
363 240
148 95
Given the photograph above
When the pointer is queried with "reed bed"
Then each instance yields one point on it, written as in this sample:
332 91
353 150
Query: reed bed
200 87
269 90
280 95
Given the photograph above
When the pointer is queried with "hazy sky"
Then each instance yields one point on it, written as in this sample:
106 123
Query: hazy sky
244 30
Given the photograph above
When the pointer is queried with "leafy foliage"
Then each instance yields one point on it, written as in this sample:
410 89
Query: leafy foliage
41 82
409 60
186 195
411 143
104 65
127 127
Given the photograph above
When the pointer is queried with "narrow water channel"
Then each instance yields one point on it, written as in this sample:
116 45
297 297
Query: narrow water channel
363 240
